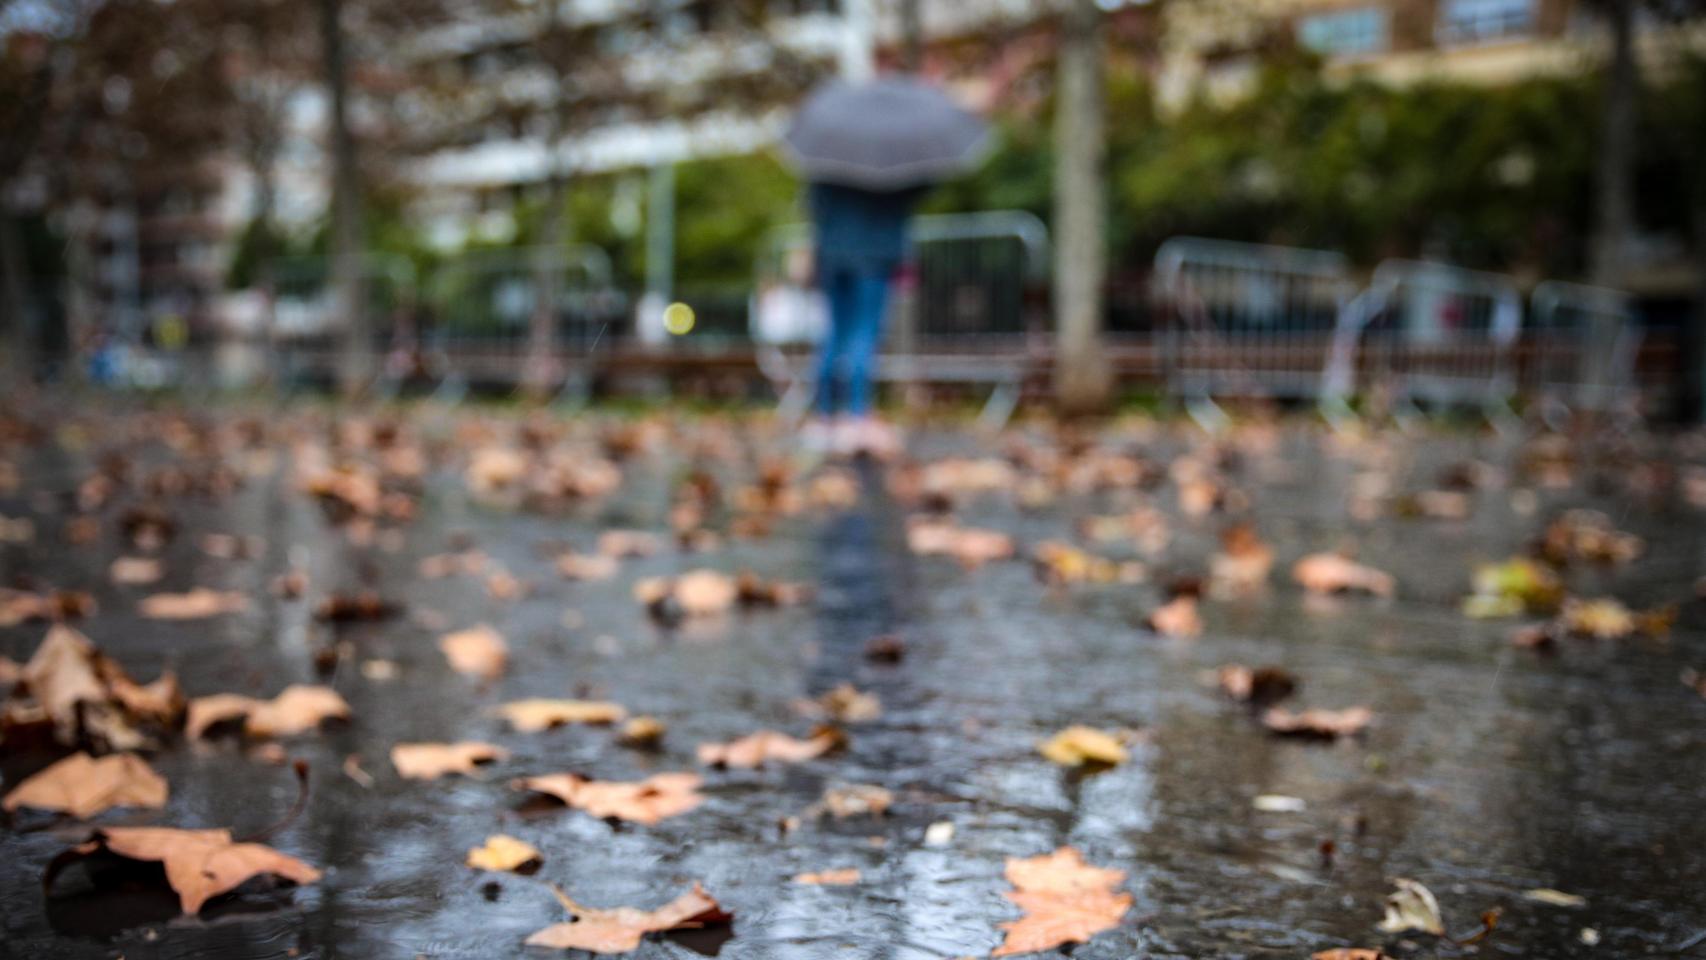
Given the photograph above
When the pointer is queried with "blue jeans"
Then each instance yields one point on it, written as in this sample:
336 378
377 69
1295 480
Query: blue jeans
858 299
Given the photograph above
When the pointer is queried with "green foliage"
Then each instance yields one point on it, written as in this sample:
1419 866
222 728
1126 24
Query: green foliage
724 208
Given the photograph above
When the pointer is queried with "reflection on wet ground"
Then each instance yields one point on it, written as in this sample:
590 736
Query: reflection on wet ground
1490 770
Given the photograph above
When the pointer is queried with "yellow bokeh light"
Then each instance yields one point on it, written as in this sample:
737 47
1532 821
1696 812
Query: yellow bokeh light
678 318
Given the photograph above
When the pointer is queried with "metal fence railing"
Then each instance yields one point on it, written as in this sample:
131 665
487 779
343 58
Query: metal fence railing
1245 320
964 312
1581 350
1428 334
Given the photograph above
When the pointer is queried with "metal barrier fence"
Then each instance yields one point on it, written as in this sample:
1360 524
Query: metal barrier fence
479 324
1583 344
1428 333
962 315
1245 320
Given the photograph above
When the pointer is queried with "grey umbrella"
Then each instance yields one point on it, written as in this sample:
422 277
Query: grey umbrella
888 134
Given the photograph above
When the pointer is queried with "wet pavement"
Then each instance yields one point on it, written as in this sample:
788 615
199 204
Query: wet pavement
1489 770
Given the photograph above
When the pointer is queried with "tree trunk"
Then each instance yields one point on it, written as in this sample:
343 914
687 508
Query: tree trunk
1082 376
1614 191
355 361
540 369
17 326
912 34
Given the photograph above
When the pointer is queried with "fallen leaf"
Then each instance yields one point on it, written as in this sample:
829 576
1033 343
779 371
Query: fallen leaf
1244 561
22 606
644 801
1601 619
1556 898
845 800
1259 685
1064 901
84 786
628 544
757 749
619 930
297 709
695 594
200 864
829 878
1518 585
849 705
972 547
1326 573
136 571
582 566
531 716
87 696
1177 617
197 604
350 607
1062 563
429 761
1412 907
1349 953
752 591
502 852
478 651
643 732
1324 724
1588 535
1079 745
1695 679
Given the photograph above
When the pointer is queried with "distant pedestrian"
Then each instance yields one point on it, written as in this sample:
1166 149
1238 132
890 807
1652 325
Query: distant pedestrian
870 151
860 244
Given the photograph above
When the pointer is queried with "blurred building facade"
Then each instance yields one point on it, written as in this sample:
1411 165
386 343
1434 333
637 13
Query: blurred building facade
1212 48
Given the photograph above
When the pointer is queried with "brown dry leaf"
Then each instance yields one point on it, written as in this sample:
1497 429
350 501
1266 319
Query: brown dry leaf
972 547
86 695
1079 745
757 749
628 544
619 930
83 786
22 606
136 571
1695 679
478 651
1601 619
1412 907
195 605
1177 617
1327 573
696 593
1259 685
1348 953
844 800
350 607
429 761
1324 724
847 704
1244 561
297 709
531 716
643 732
644 801
751 591
845 877
503 852
1064 901
587 566
200 864
491 469
1588 535
10 670
1057 562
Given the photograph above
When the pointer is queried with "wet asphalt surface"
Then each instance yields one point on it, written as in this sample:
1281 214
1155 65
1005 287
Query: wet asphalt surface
1489 771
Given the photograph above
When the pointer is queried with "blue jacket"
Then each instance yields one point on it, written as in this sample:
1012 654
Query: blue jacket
860 229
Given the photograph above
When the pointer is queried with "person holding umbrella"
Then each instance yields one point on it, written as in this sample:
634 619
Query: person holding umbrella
869 152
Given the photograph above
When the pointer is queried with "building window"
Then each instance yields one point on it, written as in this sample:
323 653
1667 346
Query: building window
1478 21
1341 33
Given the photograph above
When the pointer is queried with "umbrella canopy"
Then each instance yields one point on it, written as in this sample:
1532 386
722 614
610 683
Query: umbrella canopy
889 134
